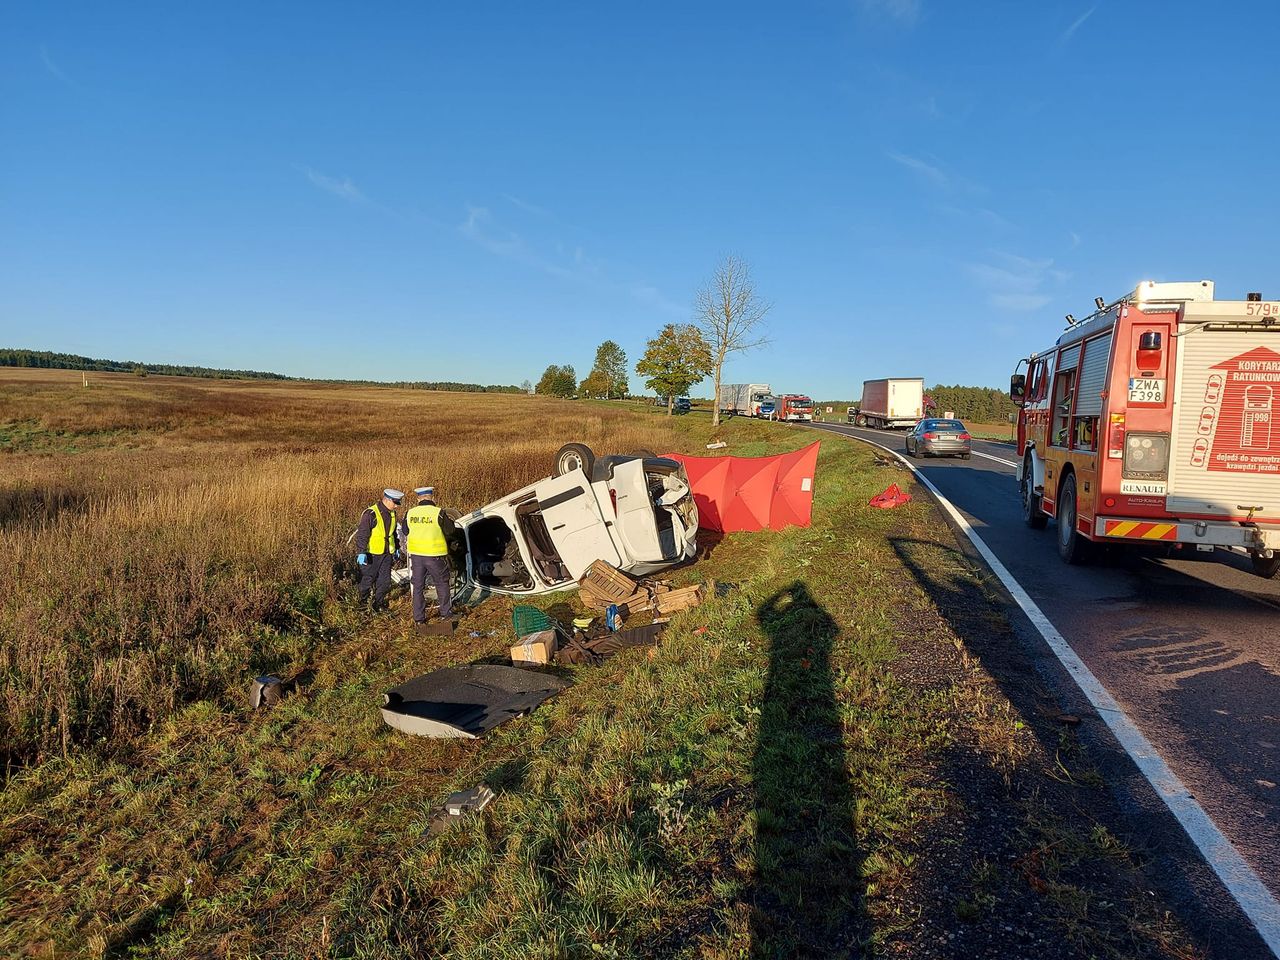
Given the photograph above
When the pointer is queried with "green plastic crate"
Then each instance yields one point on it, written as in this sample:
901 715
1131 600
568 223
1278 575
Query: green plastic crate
526 620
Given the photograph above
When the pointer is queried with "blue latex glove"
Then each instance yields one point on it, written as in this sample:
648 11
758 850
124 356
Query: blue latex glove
362 559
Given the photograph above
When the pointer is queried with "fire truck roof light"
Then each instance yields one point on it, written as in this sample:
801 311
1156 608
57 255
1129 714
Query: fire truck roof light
1100 303
1071 320
1253 297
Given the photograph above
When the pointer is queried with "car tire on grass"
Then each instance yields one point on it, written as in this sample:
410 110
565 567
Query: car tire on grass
574 456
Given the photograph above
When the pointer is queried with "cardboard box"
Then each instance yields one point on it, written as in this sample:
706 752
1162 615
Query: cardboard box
537 647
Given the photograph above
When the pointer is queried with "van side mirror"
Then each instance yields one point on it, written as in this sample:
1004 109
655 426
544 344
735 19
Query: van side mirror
1018 388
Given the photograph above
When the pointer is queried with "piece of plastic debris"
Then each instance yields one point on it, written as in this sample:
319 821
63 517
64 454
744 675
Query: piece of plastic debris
265 691
890 498
468 801
717 445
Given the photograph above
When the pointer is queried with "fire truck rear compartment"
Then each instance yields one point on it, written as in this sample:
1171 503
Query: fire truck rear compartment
1225 447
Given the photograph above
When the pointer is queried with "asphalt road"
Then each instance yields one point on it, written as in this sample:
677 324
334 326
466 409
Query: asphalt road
1190 647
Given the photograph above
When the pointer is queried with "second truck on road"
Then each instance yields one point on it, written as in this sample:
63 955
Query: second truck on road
891 403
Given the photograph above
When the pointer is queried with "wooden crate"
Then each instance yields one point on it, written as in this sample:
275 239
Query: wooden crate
605 582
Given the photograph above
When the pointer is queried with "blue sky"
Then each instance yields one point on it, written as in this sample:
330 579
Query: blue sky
471 191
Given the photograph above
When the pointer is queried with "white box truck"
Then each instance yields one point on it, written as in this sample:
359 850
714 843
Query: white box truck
743 399
891 403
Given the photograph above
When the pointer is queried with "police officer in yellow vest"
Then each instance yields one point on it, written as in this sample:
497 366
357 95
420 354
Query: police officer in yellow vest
429 531
377 542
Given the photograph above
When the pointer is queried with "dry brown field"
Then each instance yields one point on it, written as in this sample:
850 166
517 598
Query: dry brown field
159 533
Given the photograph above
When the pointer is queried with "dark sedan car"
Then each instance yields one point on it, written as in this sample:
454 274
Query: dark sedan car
939 438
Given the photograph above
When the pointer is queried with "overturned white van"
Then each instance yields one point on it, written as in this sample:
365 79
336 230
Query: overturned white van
635 512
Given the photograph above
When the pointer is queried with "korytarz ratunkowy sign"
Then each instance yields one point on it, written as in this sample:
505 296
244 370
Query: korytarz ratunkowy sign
1237 427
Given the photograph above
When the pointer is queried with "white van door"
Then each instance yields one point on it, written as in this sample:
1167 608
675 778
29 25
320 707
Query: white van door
575 523
636 517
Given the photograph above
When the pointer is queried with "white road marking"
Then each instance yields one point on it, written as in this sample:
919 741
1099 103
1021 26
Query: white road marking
1248 891
987 456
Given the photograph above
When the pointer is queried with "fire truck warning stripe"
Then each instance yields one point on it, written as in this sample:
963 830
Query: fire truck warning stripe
1244 885
1136 529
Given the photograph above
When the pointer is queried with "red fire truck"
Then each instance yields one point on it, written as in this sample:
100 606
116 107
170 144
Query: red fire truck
1157 419
794 406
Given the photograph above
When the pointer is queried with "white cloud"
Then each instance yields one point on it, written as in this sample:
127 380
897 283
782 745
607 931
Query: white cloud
906 12
53 68
342 188
1016 283
651 296
526 206
927 170
574 263
1022 302
1076 25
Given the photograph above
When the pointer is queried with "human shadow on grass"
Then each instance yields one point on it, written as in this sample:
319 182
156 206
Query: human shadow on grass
807 900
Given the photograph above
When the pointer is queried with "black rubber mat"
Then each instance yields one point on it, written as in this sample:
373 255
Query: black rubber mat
466 701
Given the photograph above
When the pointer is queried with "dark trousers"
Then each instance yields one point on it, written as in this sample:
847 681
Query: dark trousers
437 568
375 577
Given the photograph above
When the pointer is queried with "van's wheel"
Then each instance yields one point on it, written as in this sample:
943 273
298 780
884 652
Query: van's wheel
643 454
1266 566
1072 547
574 456
1032 515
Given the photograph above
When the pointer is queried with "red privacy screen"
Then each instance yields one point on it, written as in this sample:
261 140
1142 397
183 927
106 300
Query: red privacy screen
752 493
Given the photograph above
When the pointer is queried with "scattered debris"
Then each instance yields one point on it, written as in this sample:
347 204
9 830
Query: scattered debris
526 620
466 701
598 649
719 444
890 498
604 586
458 805
537 647
265 691
614 619
468 801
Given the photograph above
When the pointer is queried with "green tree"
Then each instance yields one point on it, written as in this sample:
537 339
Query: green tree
675 360
596 384
558 381
609 371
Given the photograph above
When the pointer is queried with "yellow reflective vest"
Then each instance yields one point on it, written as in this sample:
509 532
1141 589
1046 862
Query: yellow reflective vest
426 539
380 537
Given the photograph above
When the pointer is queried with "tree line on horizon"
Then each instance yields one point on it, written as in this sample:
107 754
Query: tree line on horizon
45 359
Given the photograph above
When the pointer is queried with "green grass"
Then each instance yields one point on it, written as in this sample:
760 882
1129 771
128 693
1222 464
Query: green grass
772 780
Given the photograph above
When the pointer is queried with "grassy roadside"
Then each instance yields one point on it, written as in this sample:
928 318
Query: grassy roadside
816 762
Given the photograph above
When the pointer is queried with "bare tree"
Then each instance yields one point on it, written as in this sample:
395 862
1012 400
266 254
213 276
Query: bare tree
729 314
